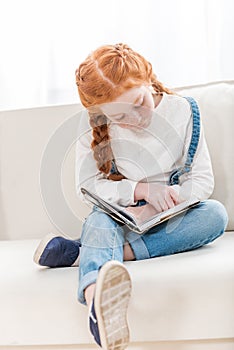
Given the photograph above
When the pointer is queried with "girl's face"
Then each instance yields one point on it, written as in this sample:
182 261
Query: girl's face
131 110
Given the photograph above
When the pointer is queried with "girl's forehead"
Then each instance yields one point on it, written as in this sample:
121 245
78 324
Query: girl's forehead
124 102
116 108
130 95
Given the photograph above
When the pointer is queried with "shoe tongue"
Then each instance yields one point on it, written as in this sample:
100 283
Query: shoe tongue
77 242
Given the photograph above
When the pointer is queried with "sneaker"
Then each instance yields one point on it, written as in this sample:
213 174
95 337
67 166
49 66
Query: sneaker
57 251
108 311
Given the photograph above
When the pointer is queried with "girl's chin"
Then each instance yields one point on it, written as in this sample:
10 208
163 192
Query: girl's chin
138 128
132 127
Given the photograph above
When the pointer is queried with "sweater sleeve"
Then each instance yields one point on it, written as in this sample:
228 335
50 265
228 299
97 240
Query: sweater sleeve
88 176
199 182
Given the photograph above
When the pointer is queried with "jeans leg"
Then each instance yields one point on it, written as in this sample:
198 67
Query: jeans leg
196 227
102 240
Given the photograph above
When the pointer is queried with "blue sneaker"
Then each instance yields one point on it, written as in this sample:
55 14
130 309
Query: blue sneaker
108 311
57 251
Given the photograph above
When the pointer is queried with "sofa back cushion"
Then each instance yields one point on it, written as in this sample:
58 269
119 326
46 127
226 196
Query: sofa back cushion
37 157
216 102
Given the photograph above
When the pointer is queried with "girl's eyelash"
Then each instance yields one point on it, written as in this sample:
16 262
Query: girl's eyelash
139 104
122 116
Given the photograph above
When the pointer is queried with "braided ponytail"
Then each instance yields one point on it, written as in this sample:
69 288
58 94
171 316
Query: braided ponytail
101 146
101 142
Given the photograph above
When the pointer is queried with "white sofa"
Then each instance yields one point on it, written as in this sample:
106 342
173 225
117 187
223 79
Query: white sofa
180 302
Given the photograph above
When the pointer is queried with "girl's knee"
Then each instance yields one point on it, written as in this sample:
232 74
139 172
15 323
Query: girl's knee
100 220
216 214
100 230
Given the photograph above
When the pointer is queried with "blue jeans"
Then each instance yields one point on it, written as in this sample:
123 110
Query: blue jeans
103 238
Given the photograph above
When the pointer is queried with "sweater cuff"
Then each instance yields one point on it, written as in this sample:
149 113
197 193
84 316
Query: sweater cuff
185 192
126 192
176 188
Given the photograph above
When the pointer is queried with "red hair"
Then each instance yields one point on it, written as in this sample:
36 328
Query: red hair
106 73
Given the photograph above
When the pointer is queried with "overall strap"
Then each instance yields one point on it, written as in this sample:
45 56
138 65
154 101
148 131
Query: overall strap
174 176
114 169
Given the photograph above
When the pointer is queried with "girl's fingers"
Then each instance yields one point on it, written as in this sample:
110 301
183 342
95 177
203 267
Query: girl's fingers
175 196
169 201
163 204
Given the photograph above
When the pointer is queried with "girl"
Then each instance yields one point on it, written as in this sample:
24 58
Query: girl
133 135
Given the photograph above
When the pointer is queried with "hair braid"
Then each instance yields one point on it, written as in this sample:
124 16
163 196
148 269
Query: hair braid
101 146
101 142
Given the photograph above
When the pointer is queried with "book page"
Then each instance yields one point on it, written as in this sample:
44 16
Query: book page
167 214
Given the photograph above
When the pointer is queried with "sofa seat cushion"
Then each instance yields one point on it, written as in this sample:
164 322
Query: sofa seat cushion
177 297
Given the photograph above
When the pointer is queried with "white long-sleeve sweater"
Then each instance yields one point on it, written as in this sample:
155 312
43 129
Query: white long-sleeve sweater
147 156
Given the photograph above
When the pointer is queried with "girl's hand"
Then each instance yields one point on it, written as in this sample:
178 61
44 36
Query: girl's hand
143 212
161 197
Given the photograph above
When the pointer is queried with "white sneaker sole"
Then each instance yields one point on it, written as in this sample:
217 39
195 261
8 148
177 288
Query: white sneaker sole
112 294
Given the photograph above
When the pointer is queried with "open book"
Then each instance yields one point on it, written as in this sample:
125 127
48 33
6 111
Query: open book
121 214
